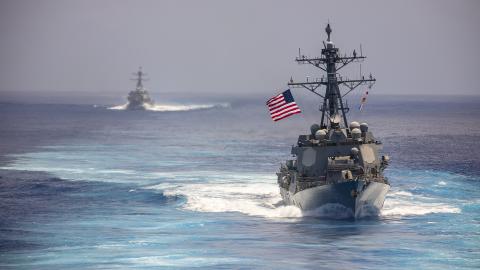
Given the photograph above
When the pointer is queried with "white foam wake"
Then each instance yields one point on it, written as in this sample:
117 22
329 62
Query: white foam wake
403 203
258 195
119 107
174 107
177 108
234 194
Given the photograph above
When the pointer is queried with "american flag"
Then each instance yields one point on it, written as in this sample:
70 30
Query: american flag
282 106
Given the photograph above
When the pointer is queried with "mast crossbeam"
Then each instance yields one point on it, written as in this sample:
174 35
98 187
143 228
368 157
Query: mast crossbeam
309 86
331 62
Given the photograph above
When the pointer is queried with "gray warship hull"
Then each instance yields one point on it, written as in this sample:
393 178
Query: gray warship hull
356 198
337 169
139 99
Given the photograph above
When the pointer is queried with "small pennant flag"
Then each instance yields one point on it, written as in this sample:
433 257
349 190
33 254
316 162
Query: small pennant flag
282 106
363 100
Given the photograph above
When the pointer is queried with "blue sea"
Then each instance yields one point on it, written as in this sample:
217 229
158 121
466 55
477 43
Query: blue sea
91 187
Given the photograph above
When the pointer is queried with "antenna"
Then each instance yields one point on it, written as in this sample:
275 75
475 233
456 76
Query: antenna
140 78
331 61
328 30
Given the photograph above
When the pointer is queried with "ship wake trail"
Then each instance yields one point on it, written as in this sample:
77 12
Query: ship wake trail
234 195
404 203
174 107
261 198
119 107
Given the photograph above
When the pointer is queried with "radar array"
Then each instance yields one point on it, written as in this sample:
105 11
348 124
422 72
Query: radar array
331 62
140 78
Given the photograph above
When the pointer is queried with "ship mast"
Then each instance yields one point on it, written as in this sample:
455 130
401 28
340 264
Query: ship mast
140 78
331 62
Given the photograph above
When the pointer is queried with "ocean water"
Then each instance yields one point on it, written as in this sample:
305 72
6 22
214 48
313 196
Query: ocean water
87 187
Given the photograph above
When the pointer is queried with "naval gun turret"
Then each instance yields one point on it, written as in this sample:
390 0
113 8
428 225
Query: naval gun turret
337 164
139 99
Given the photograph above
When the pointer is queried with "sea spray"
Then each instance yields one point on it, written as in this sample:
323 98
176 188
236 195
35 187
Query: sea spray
173 107
261 198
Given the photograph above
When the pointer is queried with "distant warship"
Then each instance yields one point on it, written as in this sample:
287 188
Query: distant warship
139 98
337 164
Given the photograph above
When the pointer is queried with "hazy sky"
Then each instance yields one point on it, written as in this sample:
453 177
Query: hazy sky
230 48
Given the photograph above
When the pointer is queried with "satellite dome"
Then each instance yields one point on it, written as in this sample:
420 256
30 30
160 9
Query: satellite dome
356 133
354 125
320 135
364 127
314 128
355 151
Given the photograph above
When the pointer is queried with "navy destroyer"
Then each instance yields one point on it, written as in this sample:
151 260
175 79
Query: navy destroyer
338 164
139 99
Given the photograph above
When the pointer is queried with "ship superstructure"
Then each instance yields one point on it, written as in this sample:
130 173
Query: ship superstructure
337 164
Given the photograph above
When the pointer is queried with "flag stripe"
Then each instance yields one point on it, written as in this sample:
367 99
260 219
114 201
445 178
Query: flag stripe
279 105
286 112
287 115
276 106
274 98
284 108
279 95
276 102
